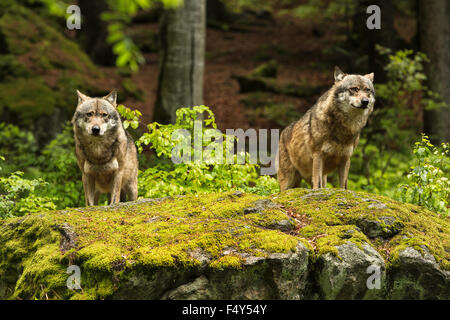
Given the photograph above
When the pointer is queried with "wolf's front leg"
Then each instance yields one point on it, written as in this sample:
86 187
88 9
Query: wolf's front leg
317 171
131 190
89 189
344 167
116 187
96 197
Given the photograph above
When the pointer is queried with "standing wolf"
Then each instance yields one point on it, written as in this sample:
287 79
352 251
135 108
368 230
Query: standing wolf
325 137
105 152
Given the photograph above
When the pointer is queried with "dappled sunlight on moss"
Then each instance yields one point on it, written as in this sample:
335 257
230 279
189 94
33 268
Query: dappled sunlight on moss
332 211
218 231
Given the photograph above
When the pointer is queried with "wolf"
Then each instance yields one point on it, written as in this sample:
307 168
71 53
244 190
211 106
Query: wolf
106 153
325 137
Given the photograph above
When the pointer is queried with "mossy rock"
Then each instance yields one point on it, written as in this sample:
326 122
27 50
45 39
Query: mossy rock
255 84
10 67
27 97
224 246
334 211
266 70
152 244
40 69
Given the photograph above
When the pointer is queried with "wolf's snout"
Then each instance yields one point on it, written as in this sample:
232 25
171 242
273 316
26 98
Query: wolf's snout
364 102
95 130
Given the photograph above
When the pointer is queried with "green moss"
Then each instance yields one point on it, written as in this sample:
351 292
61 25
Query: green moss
27 97
43 275
154 235
229 261
27 33
182 233
268 69
31 245
10 67
402 244
41 68
332 212
337 236
272 241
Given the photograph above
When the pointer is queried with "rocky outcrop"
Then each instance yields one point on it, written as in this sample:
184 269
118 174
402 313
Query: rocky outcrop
277 276
346 276
385 227
41 68
299 244
418 276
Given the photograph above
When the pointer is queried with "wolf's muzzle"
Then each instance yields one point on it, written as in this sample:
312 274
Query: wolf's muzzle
95 130
364 102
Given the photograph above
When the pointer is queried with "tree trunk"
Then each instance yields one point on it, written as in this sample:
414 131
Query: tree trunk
183 33
435 42
94 31
362 37
216 10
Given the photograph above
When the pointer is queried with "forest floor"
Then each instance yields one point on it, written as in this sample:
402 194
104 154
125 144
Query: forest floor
305 51
296 45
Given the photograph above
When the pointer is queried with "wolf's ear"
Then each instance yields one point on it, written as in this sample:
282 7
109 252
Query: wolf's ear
338 74
112 98
369 76
81 97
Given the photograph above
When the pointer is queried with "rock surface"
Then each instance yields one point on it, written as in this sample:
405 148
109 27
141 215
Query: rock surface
346 276
418 276
230 246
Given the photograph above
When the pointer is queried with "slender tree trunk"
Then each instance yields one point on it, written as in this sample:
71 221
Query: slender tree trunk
216 10
435 42
94 31
362 37
183 33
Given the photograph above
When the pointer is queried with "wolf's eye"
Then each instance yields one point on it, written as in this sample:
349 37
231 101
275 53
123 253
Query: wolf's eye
104 115
89 114
354 89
